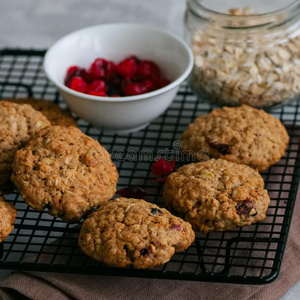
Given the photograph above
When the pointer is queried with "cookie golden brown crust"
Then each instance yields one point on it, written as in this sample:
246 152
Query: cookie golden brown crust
18 123
56 115
239 134
7 218
133 232
217 195
65 170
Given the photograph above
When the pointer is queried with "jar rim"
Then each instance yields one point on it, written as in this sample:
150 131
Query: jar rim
269 19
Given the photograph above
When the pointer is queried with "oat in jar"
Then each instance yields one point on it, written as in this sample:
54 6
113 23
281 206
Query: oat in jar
245 55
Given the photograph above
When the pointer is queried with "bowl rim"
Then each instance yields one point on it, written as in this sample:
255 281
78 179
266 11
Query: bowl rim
167 88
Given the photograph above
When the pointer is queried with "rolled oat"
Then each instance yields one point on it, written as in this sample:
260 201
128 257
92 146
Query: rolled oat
235 73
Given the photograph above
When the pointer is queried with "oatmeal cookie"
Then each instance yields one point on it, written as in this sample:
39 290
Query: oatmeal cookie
217 195
65 170
7 218
239 134
18 123
56 115
133 232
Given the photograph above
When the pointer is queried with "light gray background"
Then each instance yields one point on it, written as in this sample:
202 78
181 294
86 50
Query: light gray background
39 23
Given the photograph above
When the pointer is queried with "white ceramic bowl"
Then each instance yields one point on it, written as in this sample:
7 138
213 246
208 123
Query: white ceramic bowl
116 42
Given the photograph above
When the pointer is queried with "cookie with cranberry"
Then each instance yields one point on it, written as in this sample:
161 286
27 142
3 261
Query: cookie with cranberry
7 218
134 232
56 115
18 123
65 170
243 135
217 195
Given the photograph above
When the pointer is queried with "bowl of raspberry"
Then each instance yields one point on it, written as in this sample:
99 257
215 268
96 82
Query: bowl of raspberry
118 77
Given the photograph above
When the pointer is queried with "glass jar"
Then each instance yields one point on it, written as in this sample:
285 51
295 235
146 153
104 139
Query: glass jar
245 55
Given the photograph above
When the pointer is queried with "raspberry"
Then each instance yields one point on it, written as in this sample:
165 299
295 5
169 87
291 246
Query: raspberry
128 67
163 167
78 84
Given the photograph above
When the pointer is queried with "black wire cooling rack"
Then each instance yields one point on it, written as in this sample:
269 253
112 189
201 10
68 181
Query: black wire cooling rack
252 254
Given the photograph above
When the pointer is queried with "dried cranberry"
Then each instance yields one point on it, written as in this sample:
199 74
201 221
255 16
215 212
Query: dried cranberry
104 78
135 88
115 81
244 207
78 84
148 70
97 86
163 167
222 148
132 89
83 74
177 227
144 252
114 85
155 211
93 93
128 67
124 83
162 180
111 69
97 69
161 82
101 69
71 72
147 86
132 192
74 71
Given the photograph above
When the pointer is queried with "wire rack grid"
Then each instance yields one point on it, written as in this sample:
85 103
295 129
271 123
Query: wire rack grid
251 254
